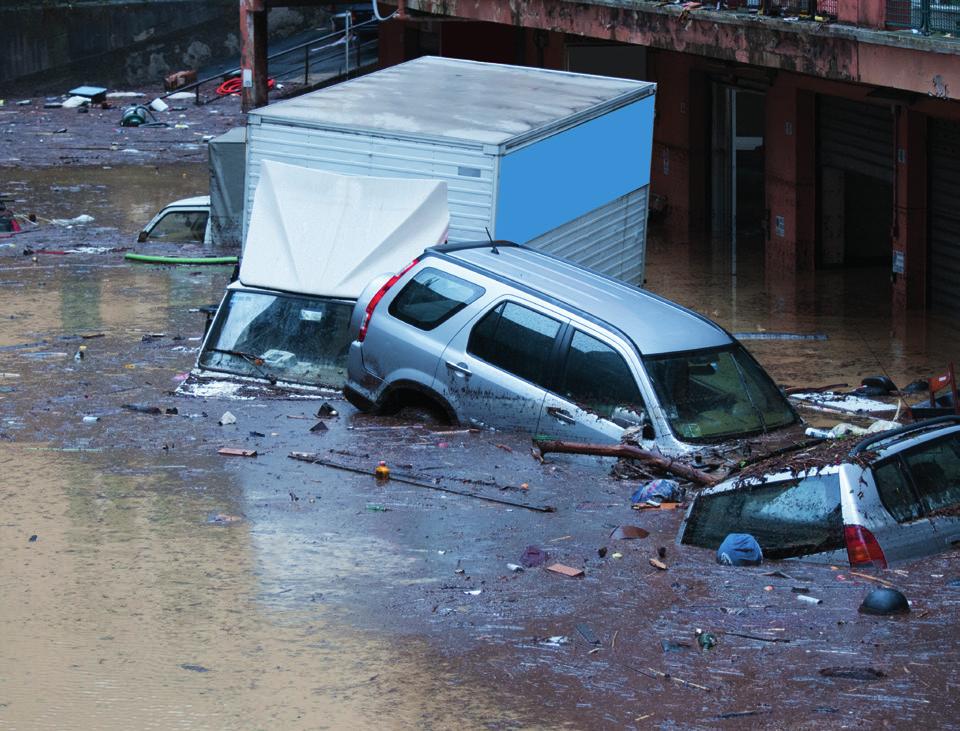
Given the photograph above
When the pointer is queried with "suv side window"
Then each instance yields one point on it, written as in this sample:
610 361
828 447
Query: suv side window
935 469
516 339
895 492
597 378
432 297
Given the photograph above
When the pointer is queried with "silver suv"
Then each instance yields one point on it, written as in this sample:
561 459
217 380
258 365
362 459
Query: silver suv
494 334
896 496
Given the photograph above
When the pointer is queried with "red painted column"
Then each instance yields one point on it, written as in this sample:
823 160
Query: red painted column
679 164
790 157
910 211
392 45
253 54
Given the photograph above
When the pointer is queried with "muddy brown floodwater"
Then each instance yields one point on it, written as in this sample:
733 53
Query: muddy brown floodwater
170 587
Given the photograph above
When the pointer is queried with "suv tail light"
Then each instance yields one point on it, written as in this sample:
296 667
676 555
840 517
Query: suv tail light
862 547
375 300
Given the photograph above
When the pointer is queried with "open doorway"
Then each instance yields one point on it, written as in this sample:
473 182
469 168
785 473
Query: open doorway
737 170
855 161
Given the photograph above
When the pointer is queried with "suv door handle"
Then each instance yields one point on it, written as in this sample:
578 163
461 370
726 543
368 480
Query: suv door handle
560 415
460 368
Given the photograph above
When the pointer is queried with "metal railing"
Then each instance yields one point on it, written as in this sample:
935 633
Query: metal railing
327 50
925 16
787 8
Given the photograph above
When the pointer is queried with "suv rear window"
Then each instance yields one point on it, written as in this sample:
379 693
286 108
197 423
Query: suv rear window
432 297
788 518
516 339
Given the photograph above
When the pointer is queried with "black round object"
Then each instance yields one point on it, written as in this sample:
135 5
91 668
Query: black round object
885 601
879 382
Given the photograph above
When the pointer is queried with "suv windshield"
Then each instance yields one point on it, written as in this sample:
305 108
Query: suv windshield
714 394
280 337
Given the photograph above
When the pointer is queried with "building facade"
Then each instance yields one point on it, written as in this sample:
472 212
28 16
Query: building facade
830 128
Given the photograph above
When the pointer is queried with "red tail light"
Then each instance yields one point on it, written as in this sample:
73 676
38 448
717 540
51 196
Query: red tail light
862 547
375 300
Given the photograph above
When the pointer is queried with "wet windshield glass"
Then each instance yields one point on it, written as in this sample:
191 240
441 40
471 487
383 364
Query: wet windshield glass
180 226
788 518
715 394
281 337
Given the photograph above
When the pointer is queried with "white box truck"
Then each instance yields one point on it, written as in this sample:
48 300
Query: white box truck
556 160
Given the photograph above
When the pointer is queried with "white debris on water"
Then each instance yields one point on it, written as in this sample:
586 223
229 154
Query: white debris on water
214 389
90 250
847 403
82 218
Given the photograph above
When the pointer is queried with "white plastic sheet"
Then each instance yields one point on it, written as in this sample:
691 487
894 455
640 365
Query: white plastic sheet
320 233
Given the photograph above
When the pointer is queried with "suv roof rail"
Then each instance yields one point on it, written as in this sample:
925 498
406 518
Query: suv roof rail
906 429
464 245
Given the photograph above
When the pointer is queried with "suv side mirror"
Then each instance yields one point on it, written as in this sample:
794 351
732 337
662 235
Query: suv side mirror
634 419
142 236
626 417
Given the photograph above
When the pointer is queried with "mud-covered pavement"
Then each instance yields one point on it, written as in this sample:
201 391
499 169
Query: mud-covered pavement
169 586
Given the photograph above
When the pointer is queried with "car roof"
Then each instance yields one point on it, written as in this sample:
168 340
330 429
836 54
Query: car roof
885 444
654 324
890 442
195 202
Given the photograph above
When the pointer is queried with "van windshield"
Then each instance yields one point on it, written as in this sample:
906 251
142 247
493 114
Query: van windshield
715 394
280 337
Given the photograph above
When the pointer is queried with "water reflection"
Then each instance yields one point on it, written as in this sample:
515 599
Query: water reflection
852 306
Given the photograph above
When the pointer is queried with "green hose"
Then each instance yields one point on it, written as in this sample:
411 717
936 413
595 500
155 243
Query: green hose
181 259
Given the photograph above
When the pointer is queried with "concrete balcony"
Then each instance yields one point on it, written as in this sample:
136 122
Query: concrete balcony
854 48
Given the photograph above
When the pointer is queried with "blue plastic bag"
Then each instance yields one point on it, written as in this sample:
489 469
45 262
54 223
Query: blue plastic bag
661 490
739 549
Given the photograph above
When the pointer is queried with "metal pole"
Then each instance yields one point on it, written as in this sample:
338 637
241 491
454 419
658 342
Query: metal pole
925 17
306 65
346 51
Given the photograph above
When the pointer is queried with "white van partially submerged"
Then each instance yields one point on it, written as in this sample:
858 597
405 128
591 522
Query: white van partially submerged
315 241
186 221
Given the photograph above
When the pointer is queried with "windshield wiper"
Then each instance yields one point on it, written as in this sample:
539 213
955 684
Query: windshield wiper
746 390
254 360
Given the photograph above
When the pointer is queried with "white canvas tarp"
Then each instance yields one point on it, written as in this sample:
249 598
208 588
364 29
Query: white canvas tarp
325 234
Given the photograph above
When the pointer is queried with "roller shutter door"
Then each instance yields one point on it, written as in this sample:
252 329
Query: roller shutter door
944 201
856 137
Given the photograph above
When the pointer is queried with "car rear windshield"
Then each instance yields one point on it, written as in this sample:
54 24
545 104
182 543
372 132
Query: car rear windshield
788 518
432 297
716 394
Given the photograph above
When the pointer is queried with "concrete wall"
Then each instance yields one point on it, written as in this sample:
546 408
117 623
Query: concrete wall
113 43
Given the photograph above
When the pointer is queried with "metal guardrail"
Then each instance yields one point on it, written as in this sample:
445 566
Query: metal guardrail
343 37
925 16
787 8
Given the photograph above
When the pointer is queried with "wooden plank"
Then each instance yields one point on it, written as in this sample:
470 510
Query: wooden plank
234 452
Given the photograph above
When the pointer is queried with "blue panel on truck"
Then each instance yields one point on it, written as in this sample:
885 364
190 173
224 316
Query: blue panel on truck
568 174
